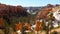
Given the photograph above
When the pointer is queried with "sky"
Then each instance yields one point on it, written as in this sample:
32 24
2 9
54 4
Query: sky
28 3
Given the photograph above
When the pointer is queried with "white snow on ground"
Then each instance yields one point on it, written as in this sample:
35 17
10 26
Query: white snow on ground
55 23
27 31
33 26
57 15
19 32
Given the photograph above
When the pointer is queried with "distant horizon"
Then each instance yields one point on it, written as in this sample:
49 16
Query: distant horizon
30 3
29 6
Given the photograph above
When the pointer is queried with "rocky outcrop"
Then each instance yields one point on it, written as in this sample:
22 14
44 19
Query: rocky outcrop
42 14
8 10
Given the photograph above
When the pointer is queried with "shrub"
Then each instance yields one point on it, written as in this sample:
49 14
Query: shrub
54 32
